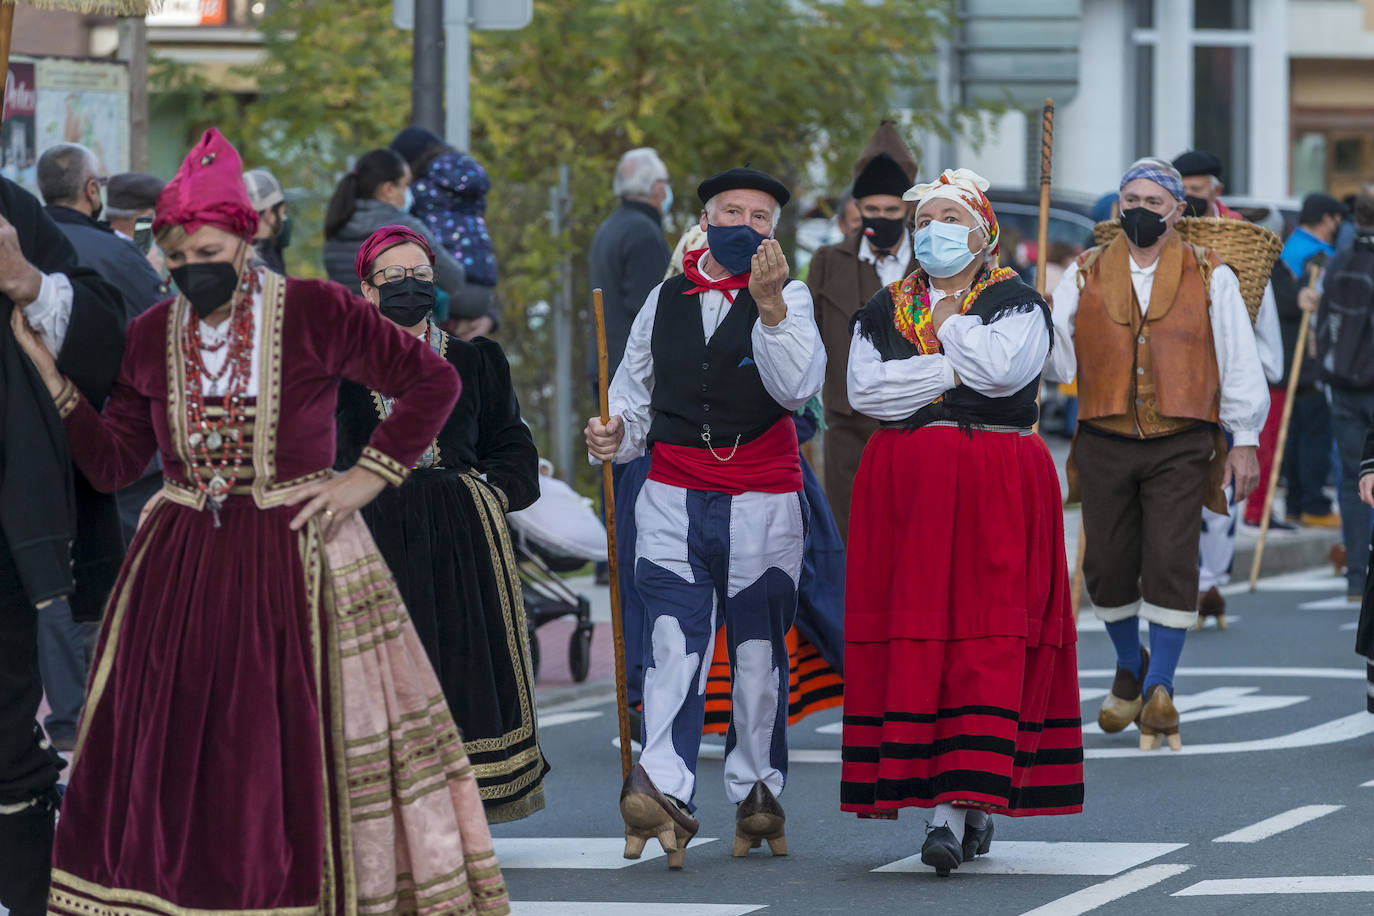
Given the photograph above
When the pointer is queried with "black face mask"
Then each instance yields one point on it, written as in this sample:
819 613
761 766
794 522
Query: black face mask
1143 226
283 236
1196 206
407 301
883 233
206 285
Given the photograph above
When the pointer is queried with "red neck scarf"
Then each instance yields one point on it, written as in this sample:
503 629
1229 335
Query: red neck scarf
703 282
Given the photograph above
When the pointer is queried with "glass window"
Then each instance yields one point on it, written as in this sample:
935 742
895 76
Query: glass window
1144 100
1345 155
1221 14
1309 163
1221 110
1145 14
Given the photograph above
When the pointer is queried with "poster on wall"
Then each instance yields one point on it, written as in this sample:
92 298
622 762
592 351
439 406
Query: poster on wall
18 152
86 102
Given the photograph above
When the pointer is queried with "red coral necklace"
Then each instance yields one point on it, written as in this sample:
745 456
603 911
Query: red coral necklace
216 446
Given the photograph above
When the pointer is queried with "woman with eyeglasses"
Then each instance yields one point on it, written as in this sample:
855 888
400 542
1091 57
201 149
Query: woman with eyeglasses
443 532
376 193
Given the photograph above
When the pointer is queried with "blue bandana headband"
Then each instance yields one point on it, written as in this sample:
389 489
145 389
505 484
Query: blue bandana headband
1158 171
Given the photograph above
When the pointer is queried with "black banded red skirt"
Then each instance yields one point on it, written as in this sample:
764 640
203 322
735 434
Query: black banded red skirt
962 681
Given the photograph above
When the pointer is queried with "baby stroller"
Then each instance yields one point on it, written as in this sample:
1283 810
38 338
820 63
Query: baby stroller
559 533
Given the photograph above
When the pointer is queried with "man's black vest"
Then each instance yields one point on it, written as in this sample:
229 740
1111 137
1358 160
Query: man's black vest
699 384
962 404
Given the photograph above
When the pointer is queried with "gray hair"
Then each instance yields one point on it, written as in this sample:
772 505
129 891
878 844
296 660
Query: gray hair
711 206
63 171
638 171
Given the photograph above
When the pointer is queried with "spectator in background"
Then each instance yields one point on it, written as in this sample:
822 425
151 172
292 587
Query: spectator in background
1345 353
70 183
376 193
848 219
1307 456
130 204
450 196
274 225
628 258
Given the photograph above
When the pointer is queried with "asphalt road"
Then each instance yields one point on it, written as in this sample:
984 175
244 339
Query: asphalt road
1269 808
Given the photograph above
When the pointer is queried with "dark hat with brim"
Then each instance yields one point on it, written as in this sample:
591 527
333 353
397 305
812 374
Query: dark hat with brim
1198 162
1317 205
747 179
882 175
133 191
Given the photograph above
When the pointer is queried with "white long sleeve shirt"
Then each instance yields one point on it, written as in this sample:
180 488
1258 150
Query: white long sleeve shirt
996 360
1244 392
51 312
889 267
789 356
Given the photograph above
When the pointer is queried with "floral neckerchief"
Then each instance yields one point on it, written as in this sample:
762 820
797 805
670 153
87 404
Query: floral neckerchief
911 306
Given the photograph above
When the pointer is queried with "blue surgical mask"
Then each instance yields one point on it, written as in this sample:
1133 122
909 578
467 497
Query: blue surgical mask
667 204
733 247
942 249
409 203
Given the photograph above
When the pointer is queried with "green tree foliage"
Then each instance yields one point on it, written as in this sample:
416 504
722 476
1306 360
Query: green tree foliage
790 86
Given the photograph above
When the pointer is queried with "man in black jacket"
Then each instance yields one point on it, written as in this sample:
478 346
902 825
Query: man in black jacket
1345 354
57 536
69 180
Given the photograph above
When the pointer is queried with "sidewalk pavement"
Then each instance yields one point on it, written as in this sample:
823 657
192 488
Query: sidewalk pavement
1284 552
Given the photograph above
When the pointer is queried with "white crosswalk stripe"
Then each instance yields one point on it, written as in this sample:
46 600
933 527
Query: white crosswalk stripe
1090 898
1299 884
1039 858
1277 824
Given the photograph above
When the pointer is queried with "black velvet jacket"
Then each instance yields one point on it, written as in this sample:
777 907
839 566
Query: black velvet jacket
483 433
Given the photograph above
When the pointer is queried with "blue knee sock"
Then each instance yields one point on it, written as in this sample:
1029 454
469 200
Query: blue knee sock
1125 636
1166 645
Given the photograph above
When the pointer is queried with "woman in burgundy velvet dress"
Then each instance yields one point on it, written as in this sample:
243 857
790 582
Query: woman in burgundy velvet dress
263 732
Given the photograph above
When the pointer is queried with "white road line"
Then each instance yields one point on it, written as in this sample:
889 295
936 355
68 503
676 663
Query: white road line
576 852
1367 785
1090 898
1352 625
834 728
1339 603
1037 858
1278 824
572 908
1300 884
1340 674
1336 731
563 718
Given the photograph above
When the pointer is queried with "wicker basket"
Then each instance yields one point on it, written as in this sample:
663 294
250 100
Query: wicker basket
1247 249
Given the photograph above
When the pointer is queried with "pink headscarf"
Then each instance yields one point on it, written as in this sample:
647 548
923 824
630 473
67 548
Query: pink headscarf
208 189
384 238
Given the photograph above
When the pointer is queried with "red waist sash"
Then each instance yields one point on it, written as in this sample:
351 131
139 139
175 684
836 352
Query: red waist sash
769 464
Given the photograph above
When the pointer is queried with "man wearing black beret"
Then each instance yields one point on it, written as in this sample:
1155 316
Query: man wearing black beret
716 361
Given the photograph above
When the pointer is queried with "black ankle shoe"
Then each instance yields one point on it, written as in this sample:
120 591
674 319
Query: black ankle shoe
978 841
941 851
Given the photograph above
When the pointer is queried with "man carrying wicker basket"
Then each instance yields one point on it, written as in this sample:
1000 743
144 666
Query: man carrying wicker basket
1160 338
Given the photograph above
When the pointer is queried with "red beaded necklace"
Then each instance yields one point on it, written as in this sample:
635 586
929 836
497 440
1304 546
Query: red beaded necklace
205 436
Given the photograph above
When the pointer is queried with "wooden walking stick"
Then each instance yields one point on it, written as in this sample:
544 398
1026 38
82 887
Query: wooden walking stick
1042 243
1299 352
622 708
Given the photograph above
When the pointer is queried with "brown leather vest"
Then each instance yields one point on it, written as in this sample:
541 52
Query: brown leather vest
1154 375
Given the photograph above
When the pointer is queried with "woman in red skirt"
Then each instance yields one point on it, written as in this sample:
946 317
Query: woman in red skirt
962 687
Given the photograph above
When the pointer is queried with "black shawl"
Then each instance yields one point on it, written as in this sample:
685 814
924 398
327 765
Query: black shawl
62 537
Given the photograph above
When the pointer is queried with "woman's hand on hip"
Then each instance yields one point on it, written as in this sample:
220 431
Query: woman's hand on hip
335 499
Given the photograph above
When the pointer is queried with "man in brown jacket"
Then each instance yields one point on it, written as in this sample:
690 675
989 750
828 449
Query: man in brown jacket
843 277
1160 340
